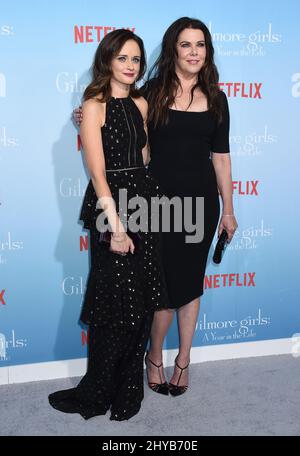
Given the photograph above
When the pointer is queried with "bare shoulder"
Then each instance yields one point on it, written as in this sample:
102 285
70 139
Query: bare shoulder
142 105
92 109
92 105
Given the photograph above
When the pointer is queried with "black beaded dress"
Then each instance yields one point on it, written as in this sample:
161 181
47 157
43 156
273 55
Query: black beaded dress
122 292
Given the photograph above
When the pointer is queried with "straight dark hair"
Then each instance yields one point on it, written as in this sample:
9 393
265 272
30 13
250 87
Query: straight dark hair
108 48
163 91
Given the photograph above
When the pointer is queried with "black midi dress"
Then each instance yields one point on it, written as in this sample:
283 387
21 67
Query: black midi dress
122 292
182 166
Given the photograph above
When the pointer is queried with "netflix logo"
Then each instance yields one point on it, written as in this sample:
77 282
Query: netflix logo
242 89
83 243
230 280
2 297
93 33
84 338
245 188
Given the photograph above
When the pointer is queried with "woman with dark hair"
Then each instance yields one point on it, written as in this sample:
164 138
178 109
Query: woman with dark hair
188 134
188 131
126 284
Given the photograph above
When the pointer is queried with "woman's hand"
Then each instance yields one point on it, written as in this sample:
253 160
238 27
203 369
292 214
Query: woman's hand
77 115
229 223
121 243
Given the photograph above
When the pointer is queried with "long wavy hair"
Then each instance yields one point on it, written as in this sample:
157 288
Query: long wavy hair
163 91
108 48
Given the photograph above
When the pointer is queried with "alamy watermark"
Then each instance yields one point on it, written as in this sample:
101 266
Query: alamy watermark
188 214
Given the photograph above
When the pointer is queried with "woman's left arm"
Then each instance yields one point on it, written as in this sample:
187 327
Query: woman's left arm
222 166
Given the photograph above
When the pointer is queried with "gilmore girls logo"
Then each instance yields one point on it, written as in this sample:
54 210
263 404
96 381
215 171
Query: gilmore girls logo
250 237
237 44
6 140
231 330
8 244
252 144
6 30
10 342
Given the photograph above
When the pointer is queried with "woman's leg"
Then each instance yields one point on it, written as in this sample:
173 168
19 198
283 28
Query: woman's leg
187 318
160 325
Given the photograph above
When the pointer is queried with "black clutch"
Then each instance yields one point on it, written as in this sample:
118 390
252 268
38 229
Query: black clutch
105 238
220 247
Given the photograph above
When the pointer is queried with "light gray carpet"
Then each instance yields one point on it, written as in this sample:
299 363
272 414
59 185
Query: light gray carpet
253 396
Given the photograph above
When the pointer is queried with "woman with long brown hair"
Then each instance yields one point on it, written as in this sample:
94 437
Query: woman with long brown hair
188 134
188 130
126 283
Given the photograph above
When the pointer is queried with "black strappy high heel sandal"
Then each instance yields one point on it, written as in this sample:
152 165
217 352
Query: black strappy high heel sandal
176 390
161 388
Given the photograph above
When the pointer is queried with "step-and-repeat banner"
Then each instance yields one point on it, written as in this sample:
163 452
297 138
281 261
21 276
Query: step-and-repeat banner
46 49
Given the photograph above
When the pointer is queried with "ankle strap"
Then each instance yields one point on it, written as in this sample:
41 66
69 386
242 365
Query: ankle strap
182 368
156 365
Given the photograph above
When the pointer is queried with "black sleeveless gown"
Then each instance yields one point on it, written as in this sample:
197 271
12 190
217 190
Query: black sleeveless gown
181 165
122 292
